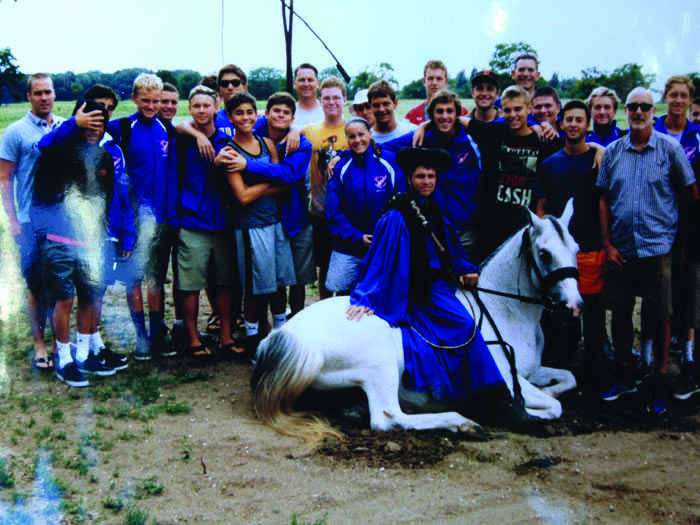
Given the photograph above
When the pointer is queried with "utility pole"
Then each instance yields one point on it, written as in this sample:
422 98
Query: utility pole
287 23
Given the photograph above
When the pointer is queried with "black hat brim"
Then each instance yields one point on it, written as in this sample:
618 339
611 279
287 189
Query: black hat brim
409 158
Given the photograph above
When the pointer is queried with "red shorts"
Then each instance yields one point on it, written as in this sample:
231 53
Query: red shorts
590 270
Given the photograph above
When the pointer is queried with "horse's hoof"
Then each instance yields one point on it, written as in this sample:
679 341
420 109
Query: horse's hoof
474 431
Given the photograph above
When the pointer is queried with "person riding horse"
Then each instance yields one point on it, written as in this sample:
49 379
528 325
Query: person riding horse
409 277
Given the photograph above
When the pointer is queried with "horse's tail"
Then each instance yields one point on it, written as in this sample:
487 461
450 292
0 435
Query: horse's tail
284 369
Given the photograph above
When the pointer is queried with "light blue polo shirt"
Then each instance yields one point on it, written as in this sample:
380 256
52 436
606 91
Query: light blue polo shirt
19 145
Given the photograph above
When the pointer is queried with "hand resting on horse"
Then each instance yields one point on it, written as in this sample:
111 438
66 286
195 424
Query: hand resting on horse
357 312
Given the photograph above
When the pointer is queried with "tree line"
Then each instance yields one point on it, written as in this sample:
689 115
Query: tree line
264 81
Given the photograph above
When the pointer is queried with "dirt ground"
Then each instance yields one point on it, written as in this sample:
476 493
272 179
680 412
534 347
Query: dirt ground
170 442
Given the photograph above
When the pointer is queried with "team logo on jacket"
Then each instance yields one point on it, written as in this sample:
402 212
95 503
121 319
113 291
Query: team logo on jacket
462 158
164 146
380 181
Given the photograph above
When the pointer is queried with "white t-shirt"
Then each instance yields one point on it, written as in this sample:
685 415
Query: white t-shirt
402 127
302 117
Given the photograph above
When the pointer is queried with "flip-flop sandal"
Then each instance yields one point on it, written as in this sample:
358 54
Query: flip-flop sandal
213 324
200 352
228 351
43 364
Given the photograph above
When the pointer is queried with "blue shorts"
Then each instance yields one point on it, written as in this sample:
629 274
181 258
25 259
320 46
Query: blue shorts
264 259
302 245
342 271
152 252
69 270
30 259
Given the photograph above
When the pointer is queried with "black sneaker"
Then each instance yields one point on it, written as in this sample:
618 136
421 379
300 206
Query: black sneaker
620 389
112 359
71 376
92 365
687 388
160 344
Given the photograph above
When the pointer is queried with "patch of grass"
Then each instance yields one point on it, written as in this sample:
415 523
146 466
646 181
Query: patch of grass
323 520
113 504
148 487
43 435
56 415
75 510
126 436
6 479
77 463
170 408
186 449
136 516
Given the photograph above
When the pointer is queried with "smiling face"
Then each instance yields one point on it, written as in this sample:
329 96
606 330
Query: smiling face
545 109
640 110
332 102
243 118
358 137
525 73
41 97
515 112
168 105
603 110
383 110
306 84
485 94
279 117
678 100
423 181
147 102
444 117
574 124
202 110
229 85
434 80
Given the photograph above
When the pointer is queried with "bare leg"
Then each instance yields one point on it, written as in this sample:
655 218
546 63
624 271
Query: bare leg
37 322
61 320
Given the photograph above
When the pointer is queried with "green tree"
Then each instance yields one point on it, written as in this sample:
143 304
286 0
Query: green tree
264 81
695 79
330 71
625 78
167 76
590 79
10 77
76 89
413 89
186 81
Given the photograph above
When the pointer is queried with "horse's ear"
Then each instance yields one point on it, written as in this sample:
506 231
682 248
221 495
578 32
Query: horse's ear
532 219
568 213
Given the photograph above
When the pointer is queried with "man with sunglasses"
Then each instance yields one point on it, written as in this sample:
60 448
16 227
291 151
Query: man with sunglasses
643 176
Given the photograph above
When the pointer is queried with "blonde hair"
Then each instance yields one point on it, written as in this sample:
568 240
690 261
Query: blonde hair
603 91
147 81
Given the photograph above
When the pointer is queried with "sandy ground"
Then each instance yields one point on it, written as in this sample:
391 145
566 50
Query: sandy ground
217 464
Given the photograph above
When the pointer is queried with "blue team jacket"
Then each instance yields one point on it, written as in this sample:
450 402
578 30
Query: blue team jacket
121 216
690 138
356 196
201 186
456 189
605 136
149 168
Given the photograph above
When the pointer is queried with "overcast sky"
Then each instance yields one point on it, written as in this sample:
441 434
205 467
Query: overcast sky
82 35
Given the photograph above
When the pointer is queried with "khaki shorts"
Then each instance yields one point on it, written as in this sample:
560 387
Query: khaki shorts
198 251
648 277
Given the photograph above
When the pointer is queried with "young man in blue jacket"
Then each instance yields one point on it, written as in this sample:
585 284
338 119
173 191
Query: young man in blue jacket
73 189
146 146
204 241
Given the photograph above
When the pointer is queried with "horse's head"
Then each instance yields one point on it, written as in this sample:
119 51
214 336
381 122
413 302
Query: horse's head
550 252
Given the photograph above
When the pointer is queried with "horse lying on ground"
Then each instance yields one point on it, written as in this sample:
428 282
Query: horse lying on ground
321 348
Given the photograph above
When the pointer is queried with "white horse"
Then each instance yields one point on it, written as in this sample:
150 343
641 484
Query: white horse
321 348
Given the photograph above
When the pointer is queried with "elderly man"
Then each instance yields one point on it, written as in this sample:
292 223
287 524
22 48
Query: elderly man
642 178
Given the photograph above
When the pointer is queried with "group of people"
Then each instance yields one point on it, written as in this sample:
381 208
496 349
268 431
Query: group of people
247 205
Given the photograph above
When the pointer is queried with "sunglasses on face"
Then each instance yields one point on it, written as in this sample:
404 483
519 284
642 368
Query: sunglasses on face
235 82
634 106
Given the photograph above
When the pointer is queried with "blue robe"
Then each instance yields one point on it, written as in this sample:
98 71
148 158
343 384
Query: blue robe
383 286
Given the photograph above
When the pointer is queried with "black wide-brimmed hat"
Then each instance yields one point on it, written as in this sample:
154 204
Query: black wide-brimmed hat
409 158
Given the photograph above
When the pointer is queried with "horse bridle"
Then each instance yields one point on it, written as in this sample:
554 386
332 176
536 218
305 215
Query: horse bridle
546 284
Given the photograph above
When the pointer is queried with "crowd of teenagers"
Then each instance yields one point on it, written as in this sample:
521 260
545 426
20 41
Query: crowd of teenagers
255 206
